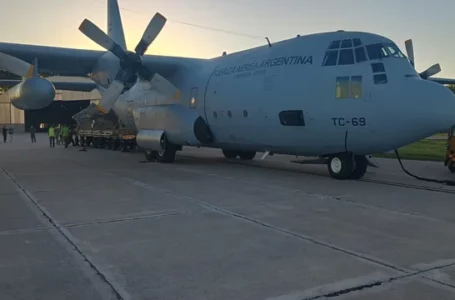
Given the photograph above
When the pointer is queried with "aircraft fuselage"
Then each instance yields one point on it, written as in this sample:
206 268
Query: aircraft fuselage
300 97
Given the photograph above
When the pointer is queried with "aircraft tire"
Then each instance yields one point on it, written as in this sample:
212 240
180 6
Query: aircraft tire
359 168
150 155
245 155
230 154
166 156
340 166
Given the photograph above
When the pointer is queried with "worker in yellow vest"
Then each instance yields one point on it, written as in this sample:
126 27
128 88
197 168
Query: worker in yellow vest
51 134
66 135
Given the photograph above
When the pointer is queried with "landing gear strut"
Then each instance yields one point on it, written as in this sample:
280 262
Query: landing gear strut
347 166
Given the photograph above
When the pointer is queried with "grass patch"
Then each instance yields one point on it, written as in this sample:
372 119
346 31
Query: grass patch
432 150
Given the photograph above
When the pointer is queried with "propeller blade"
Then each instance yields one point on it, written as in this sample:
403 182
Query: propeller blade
110 96
433 70
410 51
152 31
162 85
94 33
16 66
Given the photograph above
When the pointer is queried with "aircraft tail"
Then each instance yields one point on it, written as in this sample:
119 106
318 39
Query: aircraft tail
114 23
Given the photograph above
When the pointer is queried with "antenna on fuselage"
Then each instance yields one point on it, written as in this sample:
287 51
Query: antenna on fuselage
268 41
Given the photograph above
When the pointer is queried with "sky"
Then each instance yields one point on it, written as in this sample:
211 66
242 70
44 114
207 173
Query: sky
55 23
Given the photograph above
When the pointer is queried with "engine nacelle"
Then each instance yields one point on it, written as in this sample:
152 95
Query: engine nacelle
182 126
151 139
33 93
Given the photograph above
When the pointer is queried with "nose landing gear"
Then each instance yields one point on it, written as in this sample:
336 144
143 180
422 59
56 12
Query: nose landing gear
347 166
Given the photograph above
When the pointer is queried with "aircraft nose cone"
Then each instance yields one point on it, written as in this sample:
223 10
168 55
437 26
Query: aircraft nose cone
438 104
447 105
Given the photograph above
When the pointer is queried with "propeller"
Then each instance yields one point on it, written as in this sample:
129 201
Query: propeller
130 62
433 70
16 66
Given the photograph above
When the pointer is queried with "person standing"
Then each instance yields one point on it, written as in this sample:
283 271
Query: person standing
51 133
11 132
32 134
66 135
5 133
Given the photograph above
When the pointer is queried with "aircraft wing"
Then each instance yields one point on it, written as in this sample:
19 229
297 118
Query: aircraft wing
79 62
54 60
442 80
168 66
59 85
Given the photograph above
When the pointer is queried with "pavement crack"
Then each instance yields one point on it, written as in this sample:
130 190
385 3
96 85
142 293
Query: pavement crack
26 230
120 295
275 228
346 291
340 199
118 220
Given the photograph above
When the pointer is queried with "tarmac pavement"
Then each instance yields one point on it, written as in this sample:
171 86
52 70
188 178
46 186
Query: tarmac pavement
104 224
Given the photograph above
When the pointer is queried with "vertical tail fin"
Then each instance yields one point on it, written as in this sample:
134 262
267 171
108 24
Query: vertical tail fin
114 23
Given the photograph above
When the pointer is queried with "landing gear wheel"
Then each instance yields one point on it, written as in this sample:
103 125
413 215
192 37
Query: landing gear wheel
166 156
150 155
340 166
451 166
359 167
230 154
247 155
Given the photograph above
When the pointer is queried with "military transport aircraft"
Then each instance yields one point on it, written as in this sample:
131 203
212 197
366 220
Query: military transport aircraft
337 95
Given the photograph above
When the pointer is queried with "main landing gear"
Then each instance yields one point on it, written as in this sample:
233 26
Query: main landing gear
347 166
164 156
244 155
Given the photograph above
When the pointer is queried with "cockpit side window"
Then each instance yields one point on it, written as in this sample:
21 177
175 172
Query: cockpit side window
330 58
360 55
376 51
394 50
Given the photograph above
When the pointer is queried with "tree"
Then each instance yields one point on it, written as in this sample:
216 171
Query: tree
452 87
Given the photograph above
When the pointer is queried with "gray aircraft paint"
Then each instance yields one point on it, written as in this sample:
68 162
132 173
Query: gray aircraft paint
264 81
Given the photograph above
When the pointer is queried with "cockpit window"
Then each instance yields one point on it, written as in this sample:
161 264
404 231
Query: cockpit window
330 58
342 52
360 55
352 51
376 51
346 44
334 45
394 50
357 42
346 57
